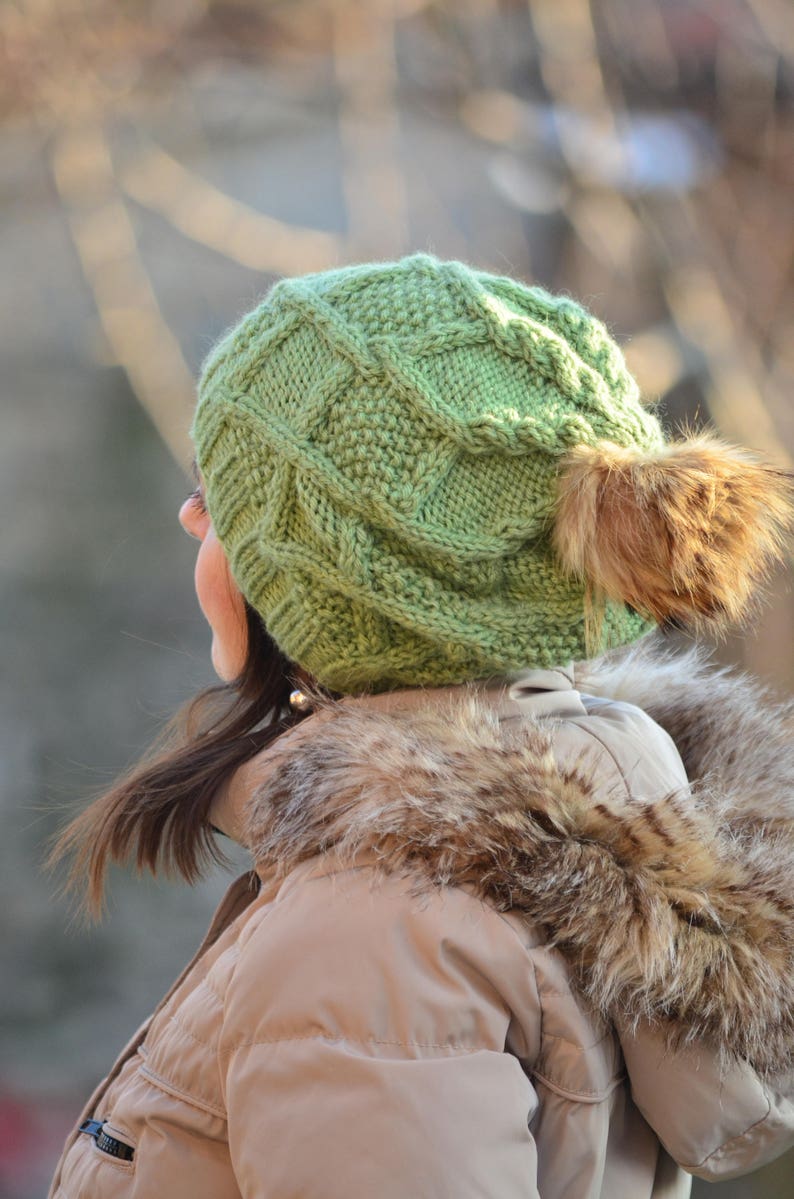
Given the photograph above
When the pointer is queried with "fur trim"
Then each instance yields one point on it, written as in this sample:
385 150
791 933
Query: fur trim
683 535
680 911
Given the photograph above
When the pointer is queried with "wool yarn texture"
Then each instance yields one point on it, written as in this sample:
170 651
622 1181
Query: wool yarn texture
380 446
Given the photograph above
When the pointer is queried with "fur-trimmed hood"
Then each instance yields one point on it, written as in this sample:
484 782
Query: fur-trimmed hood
679 910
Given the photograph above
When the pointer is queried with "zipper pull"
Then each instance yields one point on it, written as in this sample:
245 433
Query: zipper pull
105 1142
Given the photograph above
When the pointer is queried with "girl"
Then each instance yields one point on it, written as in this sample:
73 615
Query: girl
514 928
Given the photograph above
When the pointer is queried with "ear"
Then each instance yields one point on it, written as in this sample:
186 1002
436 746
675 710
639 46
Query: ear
681 535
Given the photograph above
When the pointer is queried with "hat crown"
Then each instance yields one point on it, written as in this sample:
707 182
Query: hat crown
380 445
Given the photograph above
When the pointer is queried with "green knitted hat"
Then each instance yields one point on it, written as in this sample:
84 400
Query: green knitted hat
380 445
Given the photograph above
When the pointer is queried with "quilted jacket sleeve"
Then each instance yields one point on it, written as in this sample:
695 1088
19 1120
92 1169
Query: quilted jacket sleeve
718 1123
363 1049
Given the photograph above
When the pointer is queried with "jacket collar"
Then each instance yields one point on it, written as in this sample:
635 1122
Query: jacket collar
529 694
525 695
679 911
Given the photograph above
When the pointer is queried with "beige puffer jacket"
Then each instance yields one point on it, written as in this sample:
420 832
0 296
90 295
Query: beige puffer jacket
380 1011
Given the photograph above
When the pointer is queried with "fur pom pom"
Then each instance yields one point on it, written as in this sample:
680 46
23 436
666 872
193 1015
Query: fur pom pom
682 536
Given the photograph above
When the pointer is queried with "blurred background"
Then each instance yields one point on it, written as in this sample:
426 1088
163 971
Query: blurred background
162 162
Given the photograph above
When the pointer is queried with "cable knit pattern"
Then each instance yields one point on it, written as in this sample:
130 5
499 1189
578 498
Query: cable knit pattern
380 446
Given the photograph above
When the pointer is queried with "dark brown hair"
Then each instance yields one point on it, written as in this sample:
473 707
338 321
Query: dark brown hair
158 814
